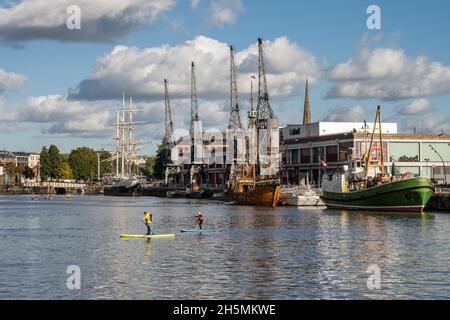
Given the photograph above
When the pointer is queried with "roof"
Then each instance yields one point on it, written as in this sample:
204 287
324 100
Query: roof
361 135
7 155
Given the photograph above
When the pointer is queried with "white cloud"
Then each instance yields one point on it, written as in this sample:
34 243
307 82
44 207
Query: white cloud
418 106
347 114
101 20
429 122
56 115
194 3
11 80
389 74
224 12
142 71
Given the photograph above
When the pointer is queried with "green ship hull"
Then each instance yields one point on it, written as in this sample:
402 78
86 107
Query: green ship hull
409 195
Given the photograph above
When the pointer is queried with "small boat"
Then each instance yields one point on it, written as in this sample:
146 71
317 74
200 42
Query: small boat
195 194
196 231
219 196
176 194
299 200
143 236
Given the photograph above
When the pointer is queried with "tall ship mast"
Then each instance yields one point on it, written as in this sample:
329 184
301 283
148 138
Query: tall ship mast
257 182
125 182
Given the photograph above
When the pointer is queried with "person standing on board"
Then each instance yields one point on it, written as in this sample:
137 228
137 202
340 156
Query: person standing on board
148 219
199 217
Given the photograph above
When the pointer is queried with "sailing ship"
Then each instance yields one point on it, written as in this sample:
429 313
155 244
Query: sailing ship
255 193
366 186
124 188
255 181
124 183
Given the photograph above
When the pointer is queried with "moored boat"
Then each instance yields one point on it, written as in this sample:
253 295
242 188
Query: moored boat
261 193
409 195
124 188
176 194
365 184
298 200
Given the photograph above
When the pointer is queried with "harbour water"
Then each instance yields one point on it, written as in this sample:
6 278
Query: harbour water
256 253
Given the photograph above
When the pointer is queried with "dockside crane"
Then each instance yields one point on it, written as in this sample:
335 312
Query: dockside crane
169 139
263 108
267 123
197 161
235 117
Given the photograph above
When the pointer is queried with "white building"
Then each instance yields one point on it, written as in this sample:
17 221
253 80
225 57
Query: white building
304 146
30 159
328 128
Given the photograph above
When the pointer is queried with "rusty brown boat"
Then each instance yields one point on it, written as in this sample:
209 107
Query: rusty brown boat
261 193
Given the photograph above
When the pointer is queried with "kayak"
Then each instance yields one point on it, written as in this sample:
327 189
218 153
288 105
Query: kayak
196 230
136 236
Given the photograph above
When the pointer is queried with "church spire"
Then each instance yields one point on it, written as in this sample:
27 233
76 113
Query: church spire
307 107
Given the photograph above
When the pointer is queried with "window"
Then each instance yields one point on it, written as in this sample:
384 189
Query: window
294 156
344 152
332 154
318 153
305 155
295 131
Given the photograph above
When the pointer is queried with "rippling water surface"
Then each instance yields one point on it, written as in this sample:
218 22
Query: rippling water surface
256 253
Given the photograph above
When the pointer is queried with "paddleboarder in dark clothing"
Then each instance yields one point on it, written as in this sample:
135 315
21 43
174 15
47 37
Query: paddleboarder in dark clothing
199 217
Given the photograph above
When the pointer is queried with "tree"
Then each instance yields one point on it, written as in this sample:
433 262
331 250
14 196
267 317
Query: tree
45 166
55 160
106 166
83 162
64 171
28 172
161 161
149 168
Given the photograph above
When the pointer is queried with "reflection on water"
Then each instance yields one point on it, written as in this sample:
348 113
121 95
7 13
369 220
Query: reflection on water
257 253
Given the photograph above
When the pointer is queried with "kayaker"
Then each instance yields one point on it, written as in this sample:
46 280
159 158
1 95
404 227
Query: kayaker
148 219
199 217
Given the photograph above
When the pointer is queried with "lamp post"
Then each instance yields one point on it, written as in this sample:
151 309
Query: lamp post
443 163
98 166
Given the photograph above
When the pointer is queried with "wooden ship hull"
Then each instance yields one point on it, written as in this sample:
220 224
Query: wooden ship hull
266 195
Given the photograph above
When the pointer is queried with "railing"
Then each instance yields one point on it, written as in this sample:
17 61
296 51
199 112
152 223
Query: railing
54 184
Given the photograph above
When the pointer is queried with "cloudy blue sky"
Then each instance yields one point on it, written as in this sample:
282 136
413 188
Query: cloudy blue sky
59 86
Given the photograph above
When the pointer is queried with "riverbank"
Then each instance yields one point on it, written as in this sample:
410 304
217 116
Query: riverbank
19 190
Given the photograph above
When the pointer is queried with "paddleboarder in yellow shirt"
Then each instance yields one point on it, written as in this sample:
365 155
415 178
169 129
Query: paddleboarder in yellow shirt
148 219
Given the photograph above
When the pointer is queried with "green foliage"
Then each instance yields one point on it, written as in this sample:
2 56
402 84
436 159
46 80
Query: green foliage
50 161
161 160
149 169
83 162
28 172
55 160
45 166
64 171
106 166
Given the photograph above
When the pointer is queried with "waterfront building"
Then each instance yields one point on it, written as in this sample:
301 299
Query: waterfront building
212 157
304 147
27 159
7 159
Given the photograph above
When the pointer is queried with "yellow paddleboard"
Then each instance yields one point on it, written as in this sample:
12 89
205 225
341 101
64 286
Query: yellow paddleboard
136 236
